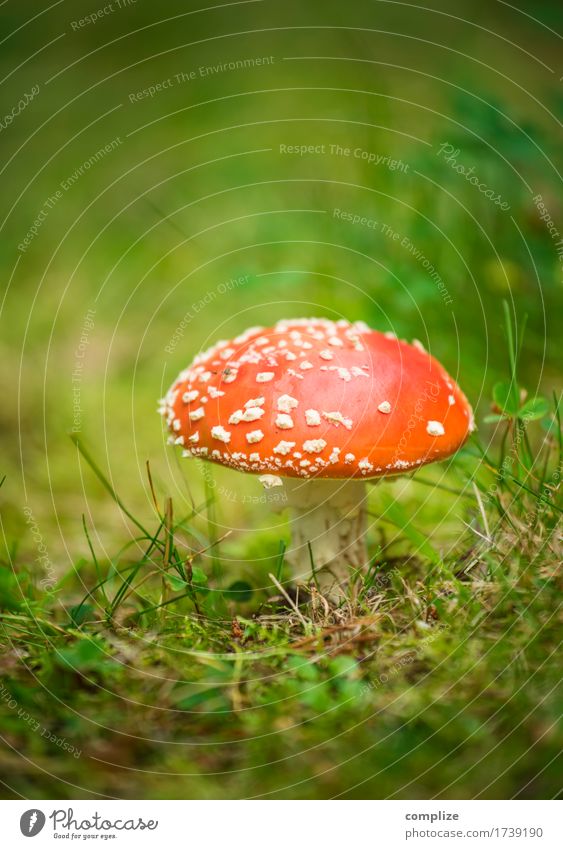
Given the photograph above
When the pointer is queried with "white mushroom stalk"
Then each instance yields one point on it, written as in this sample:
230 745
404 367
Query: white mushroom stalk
328 524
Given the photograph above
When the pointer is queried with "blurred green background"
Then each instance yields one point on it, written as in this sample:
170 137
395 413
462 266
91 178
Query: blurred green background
178 191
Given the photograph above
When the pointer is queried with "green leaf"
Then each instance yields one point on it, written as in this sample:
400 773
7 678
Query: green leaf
494 417
505 396
198 575
239 591
80 612
9 590
179 585
85 655
175 583
533 409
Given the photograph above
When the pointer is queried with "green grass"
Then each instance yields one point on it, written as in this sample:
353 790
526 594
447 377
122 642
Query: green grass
437 676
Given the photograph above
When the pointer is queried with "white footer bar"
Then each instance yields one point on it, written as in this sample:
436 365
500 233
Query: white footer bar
282 824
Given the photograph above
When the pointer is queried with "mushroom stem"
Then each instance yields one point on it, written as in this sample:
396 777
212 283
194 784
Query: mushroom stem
330 515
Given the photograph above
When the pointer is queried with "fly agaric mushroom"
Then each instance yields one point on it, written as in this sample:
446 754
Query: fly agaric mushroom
324 406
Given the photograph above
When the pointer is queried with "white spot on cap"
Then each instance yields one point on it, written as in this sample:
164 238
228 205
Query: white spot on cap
305 365
229 376
325 355
219 432
269 481
196 415
283 447
264 376
343 374
190 396
254 457
284 421
451 400
384 407
337 418
314 446
252 414
349 458
177 424
235 417
335 341
254 436
286 403
312 417
435 428
214 393
194 437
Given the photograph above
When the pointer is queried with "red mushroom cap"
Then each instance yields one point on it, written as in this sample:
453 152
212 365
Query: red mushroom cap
317 398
